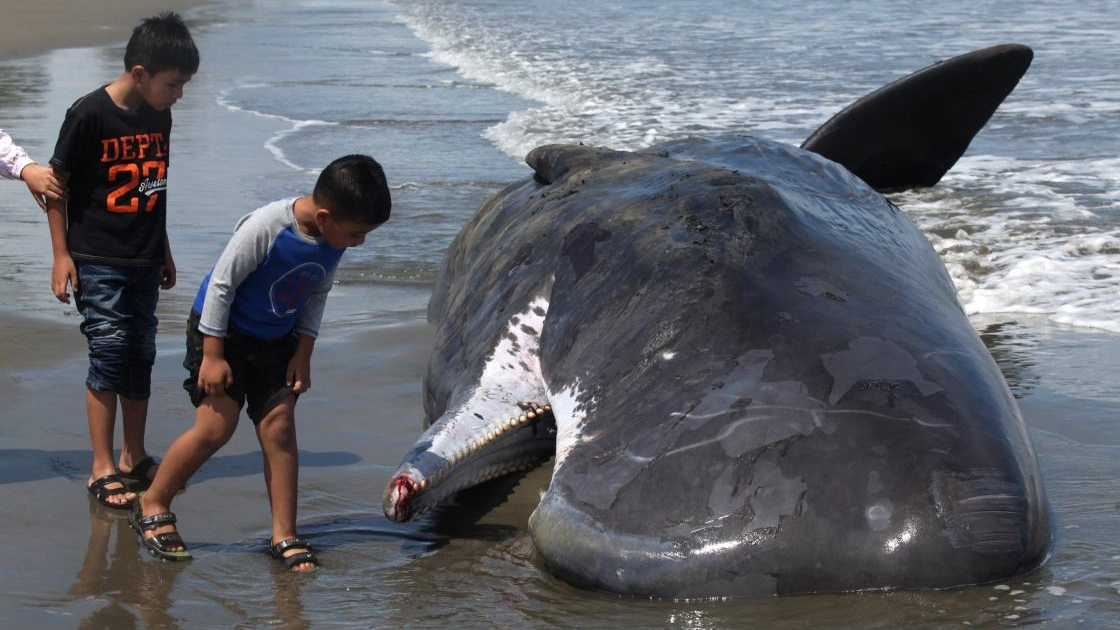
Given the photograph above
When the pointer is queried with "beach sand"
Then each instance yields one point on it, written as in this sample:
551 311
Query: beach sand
30 28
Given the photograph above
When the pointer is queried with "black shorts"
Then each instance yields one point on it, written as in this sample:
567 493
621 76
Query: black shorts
259 369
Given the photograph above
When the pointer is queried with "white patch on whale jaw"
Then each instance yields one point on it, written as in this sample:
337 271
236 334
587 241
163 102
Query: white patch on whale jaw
511 375
570 415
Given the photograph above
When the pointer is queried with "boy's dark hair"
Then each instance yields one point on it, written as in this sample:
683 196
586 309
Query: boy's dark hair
353 188
160 43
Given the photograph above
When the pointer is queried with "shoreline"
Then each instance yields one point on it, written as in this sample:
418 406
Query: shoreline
34 28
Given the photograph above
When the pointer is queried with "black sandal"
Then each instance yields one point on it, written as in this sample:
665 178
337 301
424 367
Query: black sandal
137 478
98 491
158 545
306 557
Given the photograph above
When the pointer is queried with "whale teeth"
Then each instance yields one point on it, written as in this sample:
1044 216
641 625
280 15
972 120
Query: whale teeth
531 415
423 484
522 418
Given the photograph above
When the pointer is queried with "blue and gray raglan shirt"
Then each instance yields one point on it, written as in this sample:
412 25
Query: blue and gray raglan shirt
270 278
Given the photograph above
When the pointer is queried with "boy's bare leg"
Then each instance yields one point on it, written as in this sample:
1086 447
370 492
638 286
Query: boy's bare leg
101 413
134 417
214 423
277 435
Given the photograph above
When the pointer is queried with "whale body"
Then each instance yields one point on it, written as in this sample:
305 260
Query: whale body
750 369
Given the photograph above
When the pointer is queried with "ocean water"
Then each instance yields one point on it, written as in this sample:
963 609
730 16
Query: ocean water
1027 222
450 95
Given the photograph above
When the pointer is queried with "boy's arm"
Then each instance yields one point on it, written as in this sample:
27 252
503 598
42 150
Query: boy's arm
312 314
63 271
299 367
168 273
307 329
246 249
214 375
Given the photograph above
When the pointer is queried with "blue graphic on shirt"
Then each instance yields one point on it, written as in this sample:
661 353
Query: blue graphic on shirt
289 293
268 302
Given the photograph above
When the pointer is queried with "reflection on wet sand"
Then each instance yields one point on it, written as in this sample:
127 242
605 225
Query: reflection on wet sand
134 592
286 589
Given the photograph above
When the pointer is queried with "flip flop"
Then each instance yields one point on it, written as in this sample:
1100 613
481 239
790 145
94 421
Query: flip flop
306 557
98 491
158 545
137 478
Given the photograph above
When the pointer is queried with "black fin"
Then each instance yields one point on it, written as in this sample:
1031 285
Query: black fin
910 132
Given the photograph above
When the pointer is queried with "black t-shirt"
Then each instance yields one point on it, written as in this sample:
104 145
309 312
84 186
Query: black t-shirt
117 160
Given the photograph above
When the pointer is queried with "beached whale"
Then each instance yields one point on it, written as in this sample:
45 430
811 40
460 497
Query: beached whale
751 368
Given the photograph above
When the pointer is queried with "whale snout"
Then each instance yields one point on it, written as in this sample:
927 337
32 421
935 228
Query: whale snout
397 500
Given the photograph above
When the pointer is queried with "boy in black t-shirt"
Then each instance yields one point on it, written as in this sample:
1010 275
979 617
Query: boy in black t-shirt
110 240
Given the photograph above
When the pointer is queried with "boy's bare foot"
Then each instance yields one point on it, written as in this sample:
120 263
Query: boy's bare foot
302 566
110 491
143 471
157 531
295 553
149 534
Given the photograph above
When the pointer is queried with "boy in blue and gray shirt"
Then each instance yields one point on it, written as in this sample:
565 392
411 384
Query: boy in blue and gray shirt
250 337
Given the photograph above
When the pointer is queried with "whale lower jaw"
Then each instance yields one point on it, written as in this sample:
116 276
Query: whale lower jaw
759 563
581 551
417 488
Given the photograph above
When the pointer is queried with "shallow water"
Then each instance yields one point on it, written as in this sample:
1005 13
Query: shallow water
1030 214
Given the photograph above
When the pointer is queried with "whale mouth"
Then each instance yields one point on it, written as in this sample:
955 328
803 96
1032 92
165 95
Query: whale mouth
398 503
515 444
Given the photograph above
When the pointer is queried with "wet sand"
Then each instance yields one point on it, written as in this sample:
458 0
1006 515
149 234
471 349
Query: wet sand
30 28
69 558
73 564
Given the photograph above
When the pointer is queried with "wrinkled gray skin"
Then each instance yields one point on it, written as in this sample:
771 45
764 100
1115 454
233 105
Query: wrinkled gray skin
761 379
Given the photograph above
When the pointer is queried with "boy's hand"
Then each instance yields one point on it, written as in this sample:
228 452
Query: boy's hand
299 373
167 274
63 273
214 376
43 184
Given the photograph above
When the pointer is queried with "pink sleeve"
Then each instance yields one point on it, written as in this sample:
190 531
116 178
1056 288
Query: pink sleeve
12 157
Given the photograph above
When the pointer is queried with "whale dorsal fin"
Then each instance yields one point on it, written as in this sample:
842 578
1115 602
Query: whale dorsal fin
910 132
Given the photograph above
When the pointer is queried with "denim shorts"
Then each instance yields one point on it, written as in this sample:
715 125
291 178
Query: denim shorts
259 366
118 308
